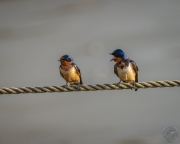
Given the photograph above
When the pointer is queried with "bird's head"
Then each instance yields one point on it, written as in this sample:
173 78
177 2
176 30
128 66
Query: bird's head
118 55
66 60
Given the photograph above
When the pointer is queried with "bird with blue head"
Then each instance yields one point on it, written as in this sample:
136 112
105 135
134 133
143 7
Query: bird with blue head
125 68
70 71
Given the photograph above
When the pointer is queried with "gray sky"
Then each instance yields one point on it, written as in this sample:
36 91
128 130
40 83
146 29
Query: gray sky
35 34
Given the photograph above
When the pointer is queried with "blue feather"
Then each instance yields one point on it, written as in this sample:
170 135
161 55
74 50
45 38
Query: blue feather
120 53
68 58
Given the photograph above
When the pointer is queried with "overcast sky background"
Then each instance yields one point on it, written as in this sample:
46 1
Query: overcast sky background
35 34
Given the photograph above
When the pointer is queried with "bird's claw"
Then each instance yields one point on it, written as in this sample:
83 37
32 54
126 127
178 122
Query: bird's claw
119 83
134 87
66 85
78 86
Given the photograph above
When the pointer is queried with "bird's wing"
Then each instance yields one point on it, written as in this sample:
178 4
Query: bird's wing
135 67
115 69
78 72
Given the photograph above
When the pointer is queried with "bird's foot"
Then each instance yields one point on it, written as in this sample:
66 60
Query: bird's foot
134 87
78 86
66 85
119 82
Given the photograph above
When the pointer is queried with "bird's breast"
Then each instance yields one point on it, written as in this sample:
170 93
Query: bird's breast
68 71
126 74
70 75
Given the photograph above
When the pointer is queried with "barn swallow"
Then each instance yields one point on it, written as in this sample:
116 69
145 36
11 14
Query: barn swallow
125 68
70 71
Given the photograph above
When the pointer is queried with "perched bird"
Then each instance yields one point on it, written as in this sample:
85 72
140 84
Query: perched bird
125 68
70 71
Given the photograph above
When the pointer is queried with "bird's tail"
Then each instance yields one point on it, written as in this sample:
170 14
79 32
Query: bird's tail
81 80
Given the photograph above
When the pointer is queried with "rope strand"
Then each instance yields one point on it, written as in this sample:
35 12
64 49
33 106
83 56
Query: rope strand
48 89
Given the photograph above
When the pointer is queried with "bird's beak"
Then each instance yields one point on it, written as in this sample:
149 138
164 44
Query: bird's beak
62 58
112 59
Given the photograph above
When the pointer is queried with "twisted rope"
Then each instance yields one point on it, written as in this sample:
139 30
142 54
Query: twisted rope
150 84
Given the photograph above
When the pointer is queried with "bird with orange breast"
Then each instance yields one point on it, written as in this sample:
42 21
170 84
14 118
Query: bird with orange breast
125 68
70 71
